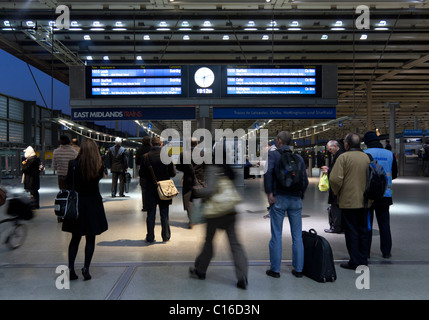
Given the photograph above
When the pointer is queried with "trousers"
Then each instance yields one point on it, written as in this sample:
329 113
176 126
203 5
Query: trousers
357 232
226 223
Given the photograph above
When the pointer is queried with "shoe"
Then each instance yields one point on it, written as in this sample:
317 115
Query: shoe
273 274
297 273
73 275
347 266
149 241
195 274
113 195
242 284
387 256
333 231
86 275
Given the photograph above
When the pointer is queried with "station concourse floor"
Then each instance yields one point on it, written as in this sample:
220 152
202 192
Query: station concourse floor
125 267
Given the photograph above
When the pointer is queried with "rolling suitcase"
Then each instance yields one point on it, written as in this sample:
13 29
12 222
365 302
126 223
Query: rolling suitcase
318 258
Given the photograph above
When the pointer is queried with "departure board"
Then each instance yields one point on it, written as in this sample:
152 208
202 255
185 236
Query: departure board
135 81
271 81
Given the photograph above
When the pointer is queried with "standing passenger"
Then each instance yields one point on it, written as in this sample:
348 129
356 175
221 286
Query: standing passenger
60 160
335 225
145 148
386 158
348 182
31 171
162 172
118 159
282 201
85 173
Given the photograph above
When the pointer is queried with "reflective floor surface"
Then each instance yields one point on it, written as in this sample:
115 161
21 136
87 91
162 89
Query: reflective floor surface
126 267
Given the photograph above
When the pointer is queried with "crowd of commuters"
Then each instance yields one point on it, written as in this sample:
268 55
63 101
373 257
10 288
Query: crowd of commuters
82 167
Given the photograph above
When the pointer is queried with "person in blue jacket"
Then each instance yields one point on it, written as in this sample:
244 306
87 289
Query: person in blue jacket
381 207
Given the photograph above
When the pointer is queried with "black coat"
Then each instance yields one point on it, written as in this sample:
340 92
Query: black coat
31 173
162 172
118 158
92 217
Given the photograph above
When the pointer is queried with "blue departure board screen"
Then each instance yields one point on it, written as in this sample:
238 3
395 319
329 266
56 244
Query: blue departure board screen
272 81
135 81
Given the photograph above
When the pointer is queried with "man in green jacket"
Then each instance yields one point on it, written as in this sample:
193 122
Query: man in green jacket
348 182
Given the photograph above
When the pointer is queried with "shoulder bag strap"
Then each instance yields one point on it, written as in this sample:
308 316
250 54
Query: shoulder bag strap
150 168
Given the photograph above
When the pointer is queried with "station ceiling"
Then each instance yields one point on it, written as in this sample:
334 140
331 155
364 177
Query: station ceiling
389 62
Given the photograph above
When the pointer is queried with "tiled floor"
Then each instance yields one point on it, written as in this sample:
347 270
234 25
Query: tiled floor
126 267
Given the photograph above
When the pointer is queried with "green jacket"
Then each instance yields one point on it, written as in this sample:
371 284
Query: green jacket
348 179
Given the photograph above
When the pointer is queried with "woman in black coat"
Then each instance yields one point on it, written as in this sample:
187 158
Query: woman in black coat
85 173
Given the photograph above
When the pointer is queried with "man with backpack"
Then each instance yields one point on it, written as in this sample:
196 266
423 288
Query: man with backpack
285 183
348 180
381 206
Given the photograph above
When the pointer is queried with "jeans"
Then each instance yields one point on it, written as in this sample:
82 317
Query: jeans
293 206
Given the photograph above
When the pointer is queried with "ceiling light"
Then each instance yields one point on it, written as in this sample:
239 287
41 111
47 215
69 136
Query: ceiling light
381 28
185 29
272 29
139 58
74 24
295 23
273 23
265 37
30 23
96 24
86 37
88 57
106 58
163 29
294 29
337 29
146 37
225 37
207 29
382 23
118 24
6 23
163 24
324 37
186 37
185 24
250 29
119 29
339 23
207 23
363 37
251 23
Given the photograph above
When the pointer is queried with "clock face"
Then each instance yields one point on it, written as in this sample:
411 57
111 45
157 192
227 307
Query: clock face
204 77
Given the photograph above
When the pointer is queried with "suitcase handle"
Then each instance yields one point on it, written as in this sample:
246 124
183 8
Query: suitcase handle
312 231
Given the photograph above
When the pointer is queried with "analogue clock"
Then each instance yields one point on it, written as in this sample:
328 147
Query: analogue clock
204 77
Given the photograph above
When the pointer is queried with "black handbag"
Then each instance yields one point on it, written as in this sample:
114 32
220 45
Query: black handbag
66 203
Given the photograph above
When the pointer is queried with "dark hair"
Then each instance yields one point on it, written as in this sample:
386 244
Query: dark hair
156 141
64 140
285 137
146 141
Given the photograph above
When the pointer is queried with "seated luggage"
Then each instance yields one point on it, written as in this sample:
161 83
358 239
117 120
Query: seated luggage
318 257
